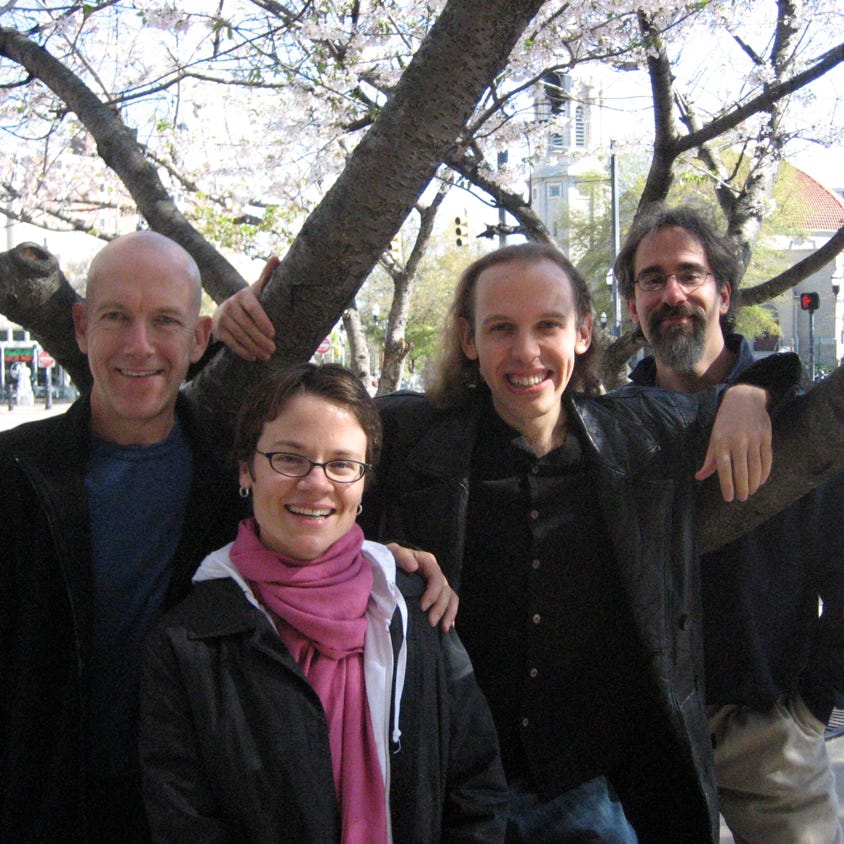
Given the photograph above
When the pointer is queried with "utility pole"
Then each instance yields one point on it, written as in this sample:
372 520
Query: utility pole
616 240
502 214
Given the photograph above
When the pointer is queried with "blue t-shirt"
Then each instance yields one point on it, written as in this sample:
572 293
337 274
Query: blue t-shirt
137 496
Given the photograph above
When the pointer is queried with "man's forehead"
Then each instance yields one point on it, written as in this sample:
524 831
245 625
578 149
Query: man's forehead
670 245
134 286
130 300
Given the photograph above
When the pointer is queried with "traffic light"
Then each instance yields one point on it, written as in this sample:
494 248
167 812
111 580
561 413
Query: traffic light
395 248
809 301
461 231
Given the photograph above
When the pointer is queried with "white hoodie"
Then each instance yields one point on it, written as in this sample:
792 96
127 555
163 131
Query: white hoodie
377 650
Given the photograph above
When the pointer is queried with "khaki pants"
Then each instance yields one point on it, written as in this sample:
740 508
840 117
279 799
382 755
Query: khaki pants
775 781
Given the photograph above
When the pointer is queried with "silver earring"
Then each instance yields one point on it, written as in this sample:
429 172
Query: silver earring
244 492
360 508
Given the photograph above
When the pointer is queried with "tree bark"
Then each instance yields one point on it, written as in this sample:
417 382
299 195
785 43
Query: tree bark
808 450
343 237
35 293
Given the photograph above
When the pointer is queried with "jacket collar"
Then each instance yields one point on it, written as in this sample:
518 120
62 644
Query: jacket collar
611 438
644 373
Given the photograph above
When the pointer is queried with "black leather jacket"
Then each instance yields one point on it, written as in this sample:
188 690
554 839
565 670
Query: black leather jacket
45 612
763 635
642 448
253 762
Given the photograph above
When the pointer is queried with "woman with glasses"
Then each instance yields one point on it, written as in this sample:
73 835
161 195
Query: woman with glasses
299 694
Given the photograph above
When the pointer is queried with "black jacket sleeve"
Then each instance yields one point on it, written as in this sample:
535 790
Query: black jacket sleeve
476 789
178 798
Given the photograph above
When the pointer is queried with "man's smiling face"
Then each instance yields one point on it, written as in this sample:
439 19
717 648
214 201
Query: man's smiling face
681 326
141 329
525 337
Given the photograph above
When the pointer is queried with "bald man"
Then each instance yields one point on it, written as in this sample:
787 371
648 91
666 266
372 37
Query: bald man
108 509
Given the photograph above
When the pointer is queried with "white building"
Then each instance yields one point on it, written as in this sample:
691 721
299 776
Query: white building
563 175
821 214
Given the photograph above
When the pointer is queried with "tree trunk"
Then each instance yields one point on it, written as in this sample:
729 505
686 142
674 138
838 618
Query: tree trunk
343 237
358 347
396 347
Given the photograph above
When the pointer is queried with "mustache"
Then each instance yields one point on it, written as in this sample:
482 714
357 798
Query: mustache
693 312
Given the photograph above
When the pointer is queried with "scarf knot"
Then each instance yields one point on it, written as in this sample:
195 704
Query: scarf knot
320 611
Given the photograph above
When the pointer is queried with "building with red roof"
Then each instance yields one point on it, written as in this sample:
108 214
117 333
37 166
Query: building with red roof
817 213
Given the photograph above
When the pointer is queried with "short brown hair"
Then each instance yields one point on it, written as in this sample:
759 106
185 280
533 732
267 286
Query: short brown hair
453 375
329 381
719 249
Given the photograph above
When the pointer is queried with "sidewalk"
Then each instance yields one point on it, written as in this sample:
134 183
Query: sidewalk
28 413
835 747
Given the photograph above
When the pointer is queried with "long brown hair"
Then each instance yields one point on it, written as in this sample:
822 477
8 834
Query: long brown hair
452 375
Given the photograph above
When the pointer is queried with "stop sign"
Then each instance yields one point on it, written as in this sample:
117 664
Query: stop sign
324 346
45 359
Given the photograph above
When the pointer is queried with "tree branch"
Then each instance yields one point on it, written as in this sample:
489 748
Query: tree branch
793 275
763 102
118 147
470 168
35 293
809 449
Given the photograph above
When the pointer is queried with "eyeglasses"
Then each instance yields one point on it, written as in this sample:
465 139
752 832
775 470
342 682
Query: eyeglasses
340 471
652 281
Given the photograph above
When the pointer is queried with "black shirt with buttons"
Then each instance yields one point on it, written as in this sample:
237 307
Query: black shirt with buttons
543 614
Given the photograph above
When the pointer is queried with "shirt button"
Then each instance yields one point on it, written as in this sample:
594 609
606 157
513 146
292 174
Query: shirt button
535 564
533 673
534 514
534 470
536 618
525 722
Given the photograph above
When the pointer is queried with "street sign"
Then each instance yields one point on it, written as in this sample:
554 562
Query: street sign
11 354
324 346
45 359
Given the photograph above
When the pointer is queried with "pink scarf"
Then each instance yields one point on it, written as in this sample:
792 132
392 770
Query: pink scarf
320 606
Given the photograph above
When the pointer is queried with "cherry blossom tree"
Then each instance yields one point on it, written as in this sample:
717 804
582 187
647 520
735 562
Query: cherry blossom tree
197 88
314 128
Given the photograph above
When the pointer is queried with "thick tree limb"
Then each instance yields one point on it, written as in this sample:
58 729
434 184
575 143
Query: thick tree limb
35 293
808 450
344 236
661 76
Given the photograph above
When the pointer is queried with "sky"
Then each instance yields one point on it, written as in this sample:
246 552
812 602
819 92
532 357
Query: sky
824 165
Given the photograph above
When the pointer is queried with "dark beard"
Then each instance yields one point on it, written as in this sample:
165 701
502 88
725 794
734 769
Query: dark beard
678 347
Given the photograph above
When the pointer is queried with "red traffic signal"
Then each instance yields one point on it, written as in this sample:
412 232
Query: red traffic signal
809 301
